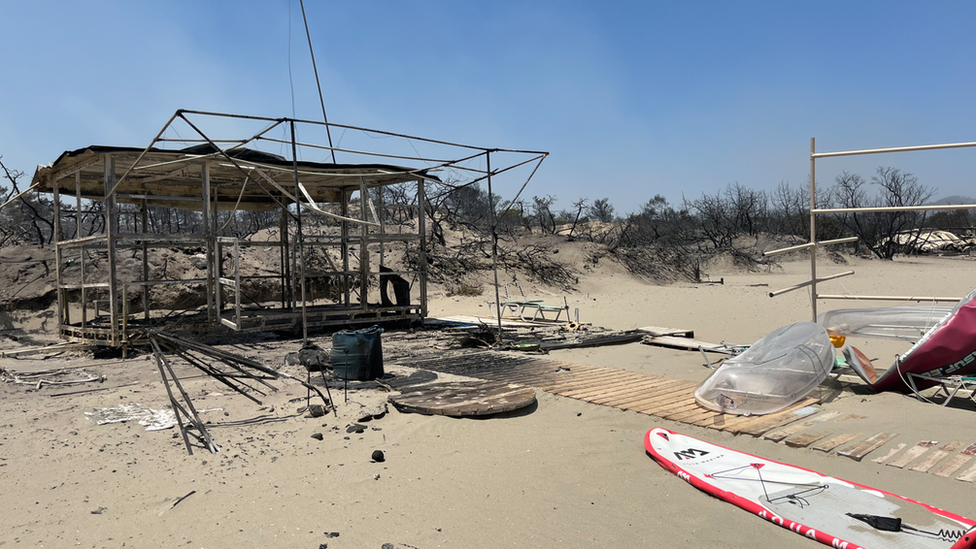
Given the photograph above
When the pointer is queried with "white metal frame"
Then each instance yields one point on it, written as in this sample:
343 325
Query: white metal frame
814 212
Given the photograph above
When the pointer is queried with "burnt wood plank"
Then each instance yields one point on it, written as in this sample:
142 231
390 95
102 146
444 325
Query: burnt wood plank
969 475
898 448
829 444
860 449
803 440
735 423
952 466
761 424
912 453
796 427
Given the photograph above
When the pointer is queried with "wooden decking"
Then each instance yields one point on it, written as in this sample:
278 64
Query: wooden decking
658 396
673 399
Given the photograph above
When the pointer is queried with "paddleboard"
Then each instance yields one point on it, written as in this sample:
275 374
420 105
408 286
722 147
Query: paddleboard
833 511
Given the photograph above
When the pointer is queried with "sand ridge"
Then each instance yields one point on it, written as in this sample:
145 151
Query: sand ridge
565 473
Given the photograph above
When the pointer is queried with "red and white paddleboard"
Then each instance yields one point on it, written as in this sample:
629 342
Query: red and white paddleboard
832 511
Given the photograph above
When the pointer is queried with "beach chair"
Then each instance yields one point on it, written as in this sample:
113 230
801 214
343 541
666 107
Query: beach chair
951 386
521 306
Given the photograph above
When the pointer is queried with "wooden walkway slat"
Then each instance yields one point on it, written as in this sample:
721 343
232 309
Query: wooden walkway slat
898 448
716 420
802 440
627 391
645 399
693 410
521 373
663 403
631 402
598 395
796 427
930 461
858 450
693 414
757 425
679 407
912 453
636 392
969 475
835 441
952 466
610 381
568 380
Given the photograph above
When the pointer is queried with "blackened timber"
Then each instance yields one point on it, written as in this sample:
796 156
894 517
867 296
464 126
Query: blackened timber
612 339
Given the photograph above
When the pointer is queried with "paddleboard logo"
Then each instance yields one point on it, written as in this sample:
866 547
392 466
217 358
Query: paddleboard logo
690 453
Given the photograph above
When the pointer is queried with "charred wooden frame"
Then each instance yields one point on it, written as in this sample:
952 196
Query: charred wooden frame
113 305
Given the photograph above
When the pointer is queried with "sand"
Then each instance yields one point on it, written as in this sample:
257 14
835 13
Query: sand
562 474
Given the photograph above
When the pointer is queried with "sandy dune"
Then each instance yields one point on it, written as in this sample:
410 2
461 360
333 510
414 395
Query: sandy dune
563 474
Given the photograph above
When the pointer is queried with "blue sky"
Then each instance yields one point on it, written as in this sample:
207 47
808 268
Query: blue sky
632 99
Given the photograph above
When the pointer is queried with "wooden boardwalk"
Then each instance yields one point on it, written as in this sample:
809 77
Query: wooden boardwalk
659 396
673 399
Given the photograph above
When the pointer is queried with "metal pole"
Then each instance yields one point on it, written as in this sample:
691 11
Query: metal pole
301 239
494 247
315 68
899 208
807 283
898 149
813 227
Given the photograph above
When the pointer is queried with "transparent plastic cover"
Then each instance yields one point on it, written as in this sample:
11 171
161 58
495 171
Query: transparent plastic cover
775 372
908 322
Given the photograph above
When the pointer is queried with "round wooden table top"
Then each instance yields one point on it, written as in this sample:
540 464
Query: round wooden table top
463 398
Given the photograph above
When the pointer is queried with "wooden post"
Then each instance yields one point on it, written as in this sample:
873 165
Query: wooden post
219 286
208 235
300 236
382 217
111 229
363 247
237 283
422 252
286 293
344 211
56 238
84 304
144 211
494 247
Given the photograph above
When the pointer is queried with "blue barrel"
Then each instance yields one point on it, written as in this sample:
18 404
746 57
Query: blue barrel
357 354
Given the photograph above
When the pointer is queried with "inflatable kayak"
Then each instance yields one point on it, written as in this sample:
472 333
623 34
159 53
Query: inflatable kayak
775 372
832 511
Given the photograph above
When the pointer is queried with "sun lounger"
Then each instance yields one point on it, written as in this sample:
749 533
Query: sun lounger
952 386
522 307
